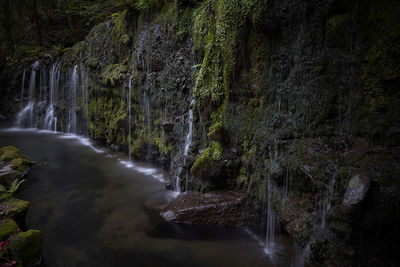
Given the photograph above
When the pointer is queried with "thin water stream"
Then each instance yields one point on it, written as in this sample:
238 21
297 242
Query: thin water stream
94 209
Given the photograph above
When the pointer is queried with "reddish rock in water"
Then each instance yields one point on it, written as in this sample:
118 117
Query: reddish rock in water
215 208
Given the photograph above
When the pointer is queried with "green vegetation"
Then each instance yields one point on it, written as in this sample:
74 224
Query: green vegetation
209 159
381 73
7 228
26 246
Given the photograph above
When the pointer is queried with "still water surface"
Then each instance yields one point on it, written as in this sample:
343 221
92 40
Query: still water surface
95 209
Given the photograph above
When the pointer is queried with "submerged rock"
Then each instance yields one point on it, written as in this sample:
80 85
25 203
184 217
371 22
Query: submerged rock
356 190
214 208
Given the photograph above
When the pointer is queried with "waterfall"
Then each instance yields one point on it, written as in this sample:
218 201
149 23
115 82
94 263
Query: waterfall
188 142
50 120
272 222
130 117
72 100
85 97
326 201
25 116
300 255
43 86
22 90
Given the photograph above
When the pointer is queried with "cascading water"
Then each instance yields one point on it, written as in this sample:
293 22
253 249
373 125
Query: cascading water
326 201
50 120
85 97
22 90
146 103
188 142
25 117
130 117
72 93
272 223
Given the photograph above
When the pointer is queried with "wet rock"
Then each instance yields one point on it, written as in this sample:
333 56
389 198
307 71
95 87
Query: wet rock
13 165
356 190
169 186
26 246
14 207
214 208
209 165
114 147
168 126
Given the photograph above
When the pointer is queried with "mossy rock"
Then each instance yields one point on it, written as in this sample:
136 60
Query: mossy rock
9 153
7 228
14 207
17 160
93 63
218 132
208 165
26 246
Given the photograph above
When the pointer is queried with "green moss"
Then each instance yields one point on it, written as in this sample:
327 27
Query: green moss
381 73
76 50
119 31
107 119
112 74
7 228
93 63
9 153
217 38
26 246
14 206
208 158
248 150
12 155
242 179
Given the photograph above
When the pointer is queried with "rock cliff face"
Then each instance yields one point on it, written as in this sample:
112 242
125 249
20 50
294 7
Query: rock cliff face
295 103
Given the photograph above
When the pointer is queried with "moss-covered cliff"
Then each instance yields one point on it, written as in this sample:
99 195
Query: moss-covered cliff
295 98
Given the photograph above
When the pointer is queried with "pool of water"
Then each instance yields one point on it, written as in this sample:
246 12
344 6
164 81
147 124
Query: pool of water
95 208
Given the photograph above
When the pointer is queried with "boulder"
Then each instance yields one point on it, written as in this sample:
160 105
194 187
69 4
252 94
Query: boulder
215 208
356 190
26 246
209 165
7 228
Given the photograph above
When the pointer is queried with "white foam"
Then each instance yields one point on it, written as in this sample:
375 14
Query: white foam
146 171
127 164
14 129
83 140
272 250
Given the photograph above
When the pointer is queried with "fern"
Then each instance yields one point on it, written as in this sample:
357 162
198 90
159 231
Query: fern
15 185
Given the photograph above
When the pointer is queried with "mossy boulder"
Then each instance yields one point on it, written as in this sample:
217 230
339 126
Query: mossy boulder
13 165
7 228
26 246
9 153
208 165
